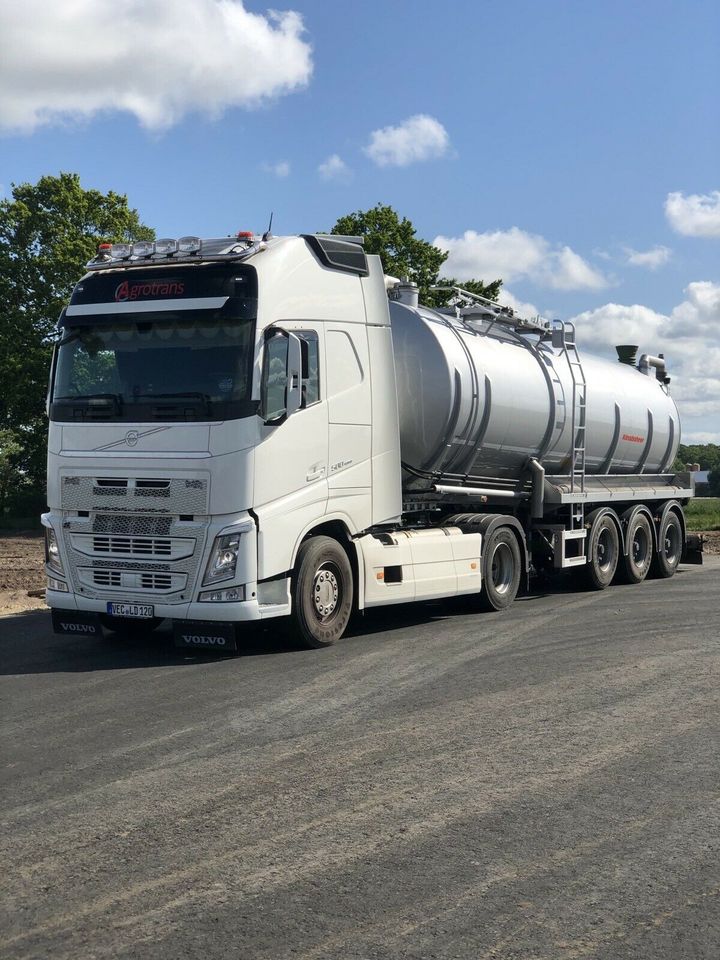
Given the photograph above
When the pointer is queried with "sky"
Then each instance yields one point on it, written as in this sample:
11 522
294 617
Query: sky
571 148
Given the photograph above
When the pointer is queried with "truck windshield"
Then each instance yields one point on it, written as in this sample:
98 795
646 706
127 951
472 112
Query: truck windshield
188 368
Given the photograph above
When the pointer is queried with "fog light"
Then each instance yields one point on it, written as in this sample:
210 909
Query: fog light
230 595
53 584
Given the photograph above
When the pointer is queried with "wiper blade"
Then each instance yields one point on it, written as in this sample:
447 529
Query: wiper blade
83 397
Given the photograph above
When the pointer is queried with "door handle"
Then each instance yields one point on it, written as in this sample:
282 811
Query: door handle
316 472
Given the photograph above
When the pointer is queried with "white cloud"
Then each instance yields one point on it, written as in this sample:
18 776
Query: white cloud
652 259
689 337
697 215
280 169
334 168
158 61
515 254
418 138
701 436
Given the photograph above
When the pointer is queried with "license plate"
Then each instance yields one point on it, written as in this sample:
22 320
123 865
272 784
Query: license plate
142 611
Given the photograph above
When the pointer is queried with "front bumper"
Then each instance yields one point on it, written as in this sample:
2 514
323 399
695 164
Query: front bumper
243 611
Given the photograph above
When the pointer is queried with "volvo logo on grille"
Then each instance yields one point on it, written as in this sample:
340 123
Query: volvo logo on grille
131 438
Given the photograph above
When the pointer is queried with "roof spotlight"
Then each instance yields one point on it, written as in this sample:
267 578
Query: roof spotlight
121 251
166 248
143 248
189 245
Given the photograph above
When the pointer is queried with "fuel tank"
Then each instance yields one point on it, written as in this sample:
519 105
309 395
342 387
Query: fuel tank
477 399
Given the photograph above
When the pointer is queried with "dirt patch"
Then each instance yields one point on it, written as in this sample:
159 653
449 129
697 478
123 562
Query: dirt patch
22 569
711 545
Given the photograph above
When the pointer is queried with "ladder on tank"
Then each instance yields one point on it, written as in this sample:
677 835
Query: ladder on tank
563 337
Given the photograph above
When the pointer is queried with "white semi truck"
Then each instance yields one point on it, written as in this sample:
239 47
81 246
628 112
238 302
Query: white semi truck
253 428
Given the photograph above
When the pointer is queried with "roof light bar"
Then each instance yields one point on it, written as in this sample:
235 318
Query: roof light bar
189 245
166 247
121 251
143 248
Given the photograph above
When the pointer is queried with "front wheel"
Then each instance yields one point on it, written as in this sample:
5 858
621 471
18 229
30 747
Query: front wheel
670 546
500 570
322 592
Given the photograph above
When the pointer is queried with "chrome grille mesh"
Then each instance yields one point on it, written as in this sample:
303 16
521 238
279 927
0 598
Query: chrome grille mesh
177 495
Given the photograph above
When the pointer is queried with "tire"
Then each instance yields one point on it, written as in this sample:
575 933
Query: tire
128 628
322 592
501 563
635 565
670 546
603 551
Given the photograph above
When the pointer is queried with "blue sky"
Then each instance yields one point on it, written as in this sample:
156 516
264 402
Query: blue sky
552 136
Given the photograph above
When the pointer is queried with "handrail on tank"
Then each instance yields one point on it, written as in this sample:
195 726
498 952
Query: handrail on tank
502 313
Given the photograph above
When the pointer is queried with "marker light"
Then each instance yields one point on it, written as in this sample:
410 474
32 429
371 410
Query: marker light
121 251
143 248
104 249
189 245
166 248
245 235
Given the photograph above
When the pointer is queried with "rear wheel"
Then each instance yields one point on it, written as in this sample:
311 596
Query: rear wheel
603 549
670 545
322 592
635 565
500 570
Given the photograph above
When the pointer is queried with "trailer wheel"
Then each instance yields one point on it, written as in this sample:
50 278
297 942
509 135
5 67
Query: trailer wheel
500 570
322 592
636 562
670 546
603 552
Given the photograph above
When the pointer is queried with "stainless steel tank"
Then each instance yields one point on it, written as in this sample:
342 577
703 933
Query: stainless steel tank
477 400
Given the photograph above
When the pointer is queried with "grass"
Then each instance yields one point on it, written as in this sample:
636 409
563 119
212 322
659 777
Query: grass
703 513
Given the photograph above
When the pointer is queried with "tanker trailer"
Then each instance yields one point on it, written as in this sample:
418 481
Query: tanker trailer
504 416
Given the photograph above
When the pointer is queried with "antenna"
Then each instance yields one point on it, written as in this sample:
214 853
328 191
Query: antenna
268 234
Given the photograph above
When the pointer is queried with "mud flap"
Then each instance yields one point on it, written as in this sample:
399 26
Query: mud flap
211 636
76 623
693 552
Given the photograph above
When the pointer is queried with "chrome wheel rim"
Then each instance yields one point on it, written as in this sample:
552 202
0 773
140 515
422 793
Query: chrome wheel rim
326 591
502 569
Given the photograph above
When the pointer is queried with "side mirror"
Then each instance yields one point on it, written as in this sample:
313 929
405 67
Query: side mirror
281 384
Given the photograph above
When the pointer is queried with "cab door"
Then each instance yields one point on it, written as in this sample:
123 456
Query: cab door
291 461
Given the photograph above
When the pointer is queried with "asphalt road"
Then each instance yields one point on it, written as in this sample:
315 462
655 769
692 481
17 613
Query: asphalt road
542 783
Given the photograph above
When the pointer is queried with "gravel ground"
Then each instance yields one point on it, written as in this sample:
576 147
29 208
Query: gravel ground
538 785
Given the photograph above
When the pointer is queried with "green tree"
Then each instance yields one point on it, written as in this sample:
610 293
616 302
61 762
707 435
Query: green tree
404 254
10 451
48 232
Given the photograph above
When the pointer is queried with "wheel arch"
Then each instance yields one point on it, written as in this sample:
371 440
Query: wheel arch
337 529
595 515
487 523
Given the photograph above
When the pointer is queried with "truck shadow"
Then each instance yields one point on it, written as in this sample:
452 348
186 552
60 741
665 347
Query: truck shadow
29 646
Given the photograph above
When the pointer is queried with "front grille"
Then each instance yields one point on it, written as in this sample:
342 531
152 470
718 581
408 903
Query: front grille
133 546
106 578
133 526
175 495
155 581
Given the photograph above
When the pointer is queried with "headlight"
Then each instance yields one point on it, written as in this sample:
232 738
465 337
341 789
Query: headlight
223 559
52 551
